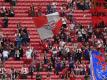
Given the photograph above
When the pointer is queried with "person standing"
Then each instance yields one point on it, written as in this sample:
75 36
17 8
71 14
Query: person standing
13 2
5 22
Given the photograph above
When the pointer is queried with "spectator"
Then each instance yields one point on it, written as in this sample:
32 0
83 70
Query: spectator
4 76
49 67
13 2
49 8
38 76
17 55
24 72
90 30
32 11
11 12
58 67
45 59
80 36
12 50
5 22
19 27
62 11
31 70
18 40
64 24
21 51
78 55
5 54
13 74
29 53
4 11
25 36
2 69
71 66
39 11
53 7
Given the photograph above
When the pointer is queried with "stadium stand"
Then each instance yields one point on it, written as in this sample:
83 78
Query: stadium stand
65 56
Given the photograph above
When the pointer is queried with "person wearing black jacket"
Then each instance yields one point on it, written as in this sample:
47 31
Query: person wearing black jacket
31 70
5 22
11 12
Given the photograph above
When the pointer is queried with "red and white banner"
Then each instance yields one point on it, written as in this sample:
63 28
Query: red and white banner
48 25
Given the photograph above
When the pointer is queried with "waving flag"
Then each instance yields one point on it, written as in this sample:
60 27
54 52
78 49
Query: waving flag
48 25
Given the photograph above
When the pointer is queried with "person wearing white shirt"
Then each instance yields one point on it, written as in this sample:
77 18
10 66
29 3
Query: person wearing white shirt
72 26
29 53
5 54
62 43
24 72
79 35
64 22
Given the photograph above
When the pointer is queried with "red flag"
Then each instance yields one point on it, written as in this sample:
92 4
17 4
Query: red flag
40 21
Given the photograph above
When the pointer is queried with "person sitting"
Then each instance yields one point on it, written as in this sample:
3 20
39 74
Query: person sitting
5 22
38 76
24 72
11 12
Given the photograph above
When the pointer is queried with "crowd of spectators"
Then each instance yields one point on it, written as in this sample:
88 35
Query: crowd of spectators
67 54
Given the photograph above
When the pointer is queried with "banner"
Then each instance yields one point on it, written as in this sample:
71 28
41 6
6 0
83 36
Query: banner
98 66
